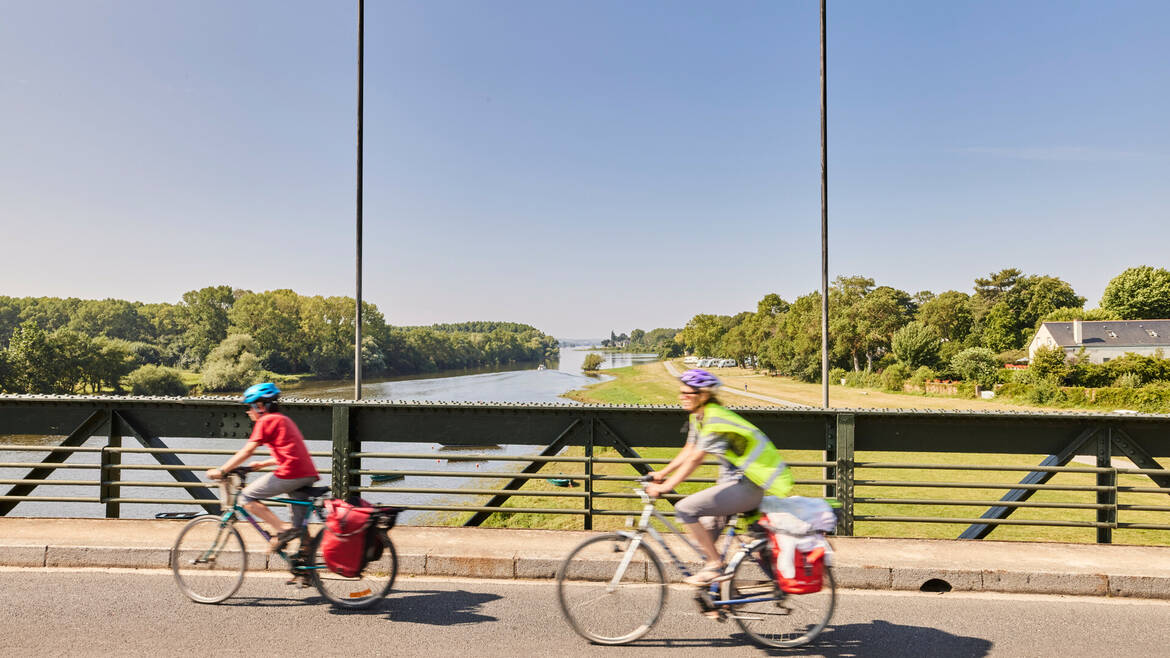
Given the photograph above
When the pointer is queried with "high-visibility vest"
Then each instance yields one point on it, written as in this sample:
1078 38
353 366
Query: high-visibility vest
748 449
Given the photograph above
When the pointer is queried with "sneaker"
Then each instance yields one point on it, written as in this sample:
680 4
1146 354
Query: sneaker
300 580
707 575
284 537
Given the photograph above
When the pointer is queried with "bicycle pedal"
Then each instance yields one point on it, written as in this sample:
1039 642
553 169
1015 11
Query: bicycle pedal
715 615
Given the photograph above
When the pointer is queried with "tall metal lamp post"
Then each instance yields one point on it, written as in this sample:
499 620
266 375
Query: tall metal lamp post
824 220
357 337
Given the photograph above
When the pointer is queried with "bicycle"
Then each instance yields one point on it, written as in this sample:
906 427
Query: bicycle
609 601
209 559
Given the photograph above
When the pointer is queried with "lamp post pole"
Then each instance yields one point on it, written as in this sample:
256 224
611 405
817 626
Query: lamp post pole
824 219
357 338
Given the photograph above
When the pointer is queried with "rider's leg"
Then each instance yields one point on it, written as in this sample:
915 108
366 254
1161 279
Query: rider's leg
720 500
261 511
703 536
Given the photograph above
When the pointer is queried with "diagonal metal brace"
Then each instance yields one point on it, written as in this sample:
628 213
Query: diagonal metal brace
1139 456
197 490
77 437
553 448
1062 458
623 448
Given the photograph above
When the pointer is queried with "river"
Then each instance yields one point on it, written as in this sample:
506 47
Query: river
516 385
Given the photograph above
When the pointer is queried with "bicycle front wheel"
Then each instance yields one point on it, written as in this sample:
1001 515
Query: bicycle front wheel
361 591
780 620
611 591
208 559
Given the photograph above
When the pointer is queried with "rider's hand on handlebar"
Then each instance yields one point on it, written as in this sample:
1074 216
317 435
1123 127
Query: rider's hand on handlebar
214 474
656 490
655 476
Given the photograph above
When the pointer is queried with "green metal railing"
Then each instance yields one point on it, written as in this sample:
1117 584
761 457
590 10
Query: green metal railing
950 464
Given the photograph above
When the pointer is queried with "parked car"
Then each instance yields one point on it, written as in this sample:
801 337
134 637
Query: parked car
691 360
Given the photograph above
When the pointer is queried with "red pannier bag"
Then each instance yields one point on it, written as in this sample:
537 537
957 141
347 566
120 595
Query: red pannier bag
810 570
344 545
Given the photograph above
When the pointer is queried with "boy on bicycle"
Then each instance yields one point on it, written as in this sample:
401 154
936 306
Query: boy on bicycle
290 455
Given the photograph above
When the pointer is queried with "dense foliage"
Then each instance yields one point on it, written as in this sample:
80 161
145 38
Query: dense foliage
232 336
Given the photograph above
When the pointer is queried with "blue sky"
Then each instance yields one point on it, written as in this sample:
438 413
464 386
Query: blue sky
579 166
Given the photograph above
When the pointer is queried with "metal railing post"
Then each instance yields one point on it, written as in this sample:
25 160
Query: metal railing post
589 473
109 471
1106 479
344 447
844 488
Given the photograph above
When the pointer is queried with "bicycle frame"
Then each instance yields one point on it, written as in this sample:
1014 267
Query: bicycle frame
236 510
645 528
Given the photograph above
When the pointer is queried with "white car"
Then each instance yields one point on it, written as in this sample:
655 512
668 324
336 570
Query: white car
691 360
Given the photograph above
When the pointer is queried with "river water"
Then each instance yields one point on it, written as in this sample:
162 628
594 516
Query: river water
515 385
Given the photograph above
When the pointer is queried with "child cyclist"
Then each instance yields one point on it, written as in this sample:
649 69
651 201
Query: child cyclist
749 467
294 466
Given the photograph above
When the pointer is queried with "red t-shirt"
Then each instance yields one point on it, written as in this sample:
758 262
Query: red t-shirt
284 440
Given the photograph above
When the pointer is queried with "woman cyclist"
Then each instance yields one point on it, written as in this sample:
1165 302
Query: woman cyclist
290 456
749 467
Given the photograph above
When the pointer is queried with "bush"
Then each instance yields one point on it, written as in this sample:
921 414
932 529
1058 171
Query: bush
232 365
592 362
1042 391
977 365
894 376
1049 363
156 380
863 379
836 375
1128 380
921 376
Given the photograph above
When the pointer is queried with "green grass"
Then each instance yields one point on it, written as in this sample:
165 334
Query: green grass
647 383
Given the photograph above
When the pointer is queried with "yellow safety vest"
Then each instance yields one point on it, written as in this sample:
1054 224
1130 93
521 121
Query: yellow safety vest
748 449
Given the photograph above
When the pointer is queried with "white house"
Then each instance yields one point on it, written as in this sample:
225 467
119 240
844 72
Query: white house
1106 339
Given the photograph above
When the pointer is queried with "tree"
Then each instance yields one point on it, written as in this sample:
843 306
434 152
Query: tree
1139 293
990 289
273 320
771 305
592 362
978 365
156 380
949 313
1010 323
845 317
1068 314
637 336
883 311
702 334
916 345
30 360
204 314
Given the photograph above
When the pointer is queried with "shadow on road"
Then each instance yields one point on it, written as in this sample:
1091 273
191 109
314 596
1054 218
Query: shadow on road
882 638
877 638
438 607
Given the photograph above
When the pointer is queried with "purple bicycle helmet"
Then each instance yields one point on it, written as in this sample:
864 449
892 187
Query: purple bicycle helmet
699 379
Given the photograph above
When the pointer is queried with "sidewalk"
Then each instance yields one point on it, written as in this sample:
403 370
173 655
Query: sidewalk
898 564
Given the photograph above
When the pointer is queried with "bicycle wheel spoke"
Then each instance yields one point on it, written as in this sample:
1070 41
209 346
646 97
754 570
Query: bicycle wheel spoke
608 594
783 620
208 560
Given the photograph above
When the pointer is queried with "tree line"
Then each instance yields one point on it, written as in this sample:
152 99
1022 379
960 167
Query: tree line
872 327
231 337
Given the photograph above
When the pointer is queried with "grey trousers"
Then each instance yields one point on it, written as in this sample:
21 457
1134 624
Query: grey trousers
712 506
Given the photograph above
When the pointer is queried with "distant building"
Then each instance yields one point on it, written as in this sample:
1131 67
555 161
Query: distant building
1104 340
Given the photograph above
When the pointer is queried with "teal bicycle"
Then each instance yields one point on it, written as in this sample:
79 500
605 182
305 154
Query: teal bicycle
209 559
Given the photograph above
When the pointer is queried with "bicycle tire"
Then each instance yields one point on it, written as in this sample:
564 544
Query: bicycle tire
785 621
591 607
362 591
208 559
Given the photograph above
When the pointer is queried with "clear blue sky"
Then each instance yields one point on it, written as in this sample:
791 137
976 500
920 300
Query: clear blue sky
579 166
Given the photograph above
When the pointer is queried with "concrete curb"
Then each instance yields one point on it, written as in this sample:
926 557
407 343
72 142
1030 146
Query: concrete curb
875 564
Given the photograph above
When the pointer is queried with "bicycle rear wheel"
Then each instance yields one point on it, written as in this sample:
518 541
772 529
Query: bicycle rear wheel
603 605
208 560
362 591
784 620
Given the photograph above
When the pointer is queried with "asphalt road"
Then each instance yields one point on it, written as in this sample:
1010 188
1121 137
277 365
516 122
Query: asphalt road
138 613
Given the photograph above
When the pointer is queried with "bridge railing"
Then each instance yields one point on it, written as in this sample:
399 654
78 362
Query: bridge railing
885 467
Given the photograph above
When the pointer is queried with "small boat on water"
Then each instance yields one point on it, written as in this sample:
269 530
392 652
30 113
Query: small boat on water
386 477
561 482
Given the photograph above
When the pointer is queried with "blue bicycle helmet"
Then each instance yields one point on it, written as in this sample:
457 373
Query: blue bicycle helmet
700 379
266 392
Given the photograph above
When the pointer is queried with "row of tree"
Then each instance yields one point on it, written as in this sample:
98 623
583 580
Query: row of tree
871 326
659 341
54 345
